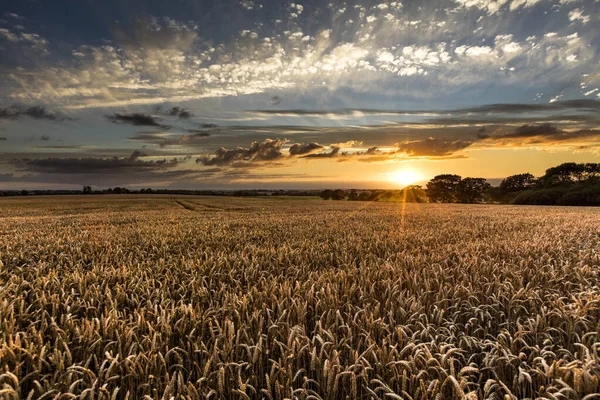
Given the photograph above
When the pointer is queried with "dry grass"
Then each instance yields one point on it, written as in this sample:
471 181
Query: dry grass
147 297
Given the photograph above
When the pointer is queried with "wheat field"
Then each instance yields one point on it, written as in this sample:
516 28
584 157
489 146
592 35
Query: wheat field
133 297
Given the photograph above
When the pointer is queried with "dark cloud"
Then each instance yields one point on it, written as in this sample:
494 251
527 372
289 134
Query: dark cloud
591 118
585 112
160 139
482 133
517 108
180 112
137 154
188 139
370 155
266 150
164 140
199 132
546 133
534 130
3 138
301 148
432 147
114 165
343 111
140 177
583 105
63 147
335 151
45 137
175 111
35 112
137 119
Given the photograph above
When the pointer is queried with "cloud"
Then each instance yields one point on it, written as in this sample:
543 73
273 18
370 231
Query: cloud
195 136
580 104
24 38
432 147
35 112
493 6
156 33
168 139
300 148
584 105
158 138
349 144
577 15
3 138
535 130
137 119
334 152
198 133
114 165
153 60
267 150
175 111
136 154
545 133
482 133
146 178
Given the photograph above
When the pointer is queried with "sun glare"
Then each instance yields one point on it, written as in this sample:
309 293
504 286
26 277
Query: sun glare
405 177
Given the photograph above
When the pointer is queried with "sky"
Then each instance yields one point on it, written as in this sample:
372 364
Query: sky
198 94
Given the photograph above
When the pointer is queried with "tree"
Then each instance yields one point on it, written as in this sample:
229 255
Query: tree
443 188
353 195
516 183
592 171
120 190
338 194
326 194
564 173
364 196
87 190
472 190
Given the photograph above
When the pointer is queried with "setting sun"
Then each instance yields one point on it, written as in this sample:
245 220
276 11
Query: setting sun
405 177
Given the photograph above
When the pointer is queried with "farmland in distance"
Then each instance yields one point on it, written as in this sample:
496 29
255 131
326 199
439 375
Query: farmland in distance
131 297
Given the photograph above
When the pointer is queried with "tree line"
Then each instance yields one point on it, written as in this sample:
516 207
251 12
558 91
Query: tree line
566 184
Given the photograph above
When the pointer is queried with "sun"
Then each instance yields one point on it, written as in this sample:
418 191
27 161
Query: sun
405 177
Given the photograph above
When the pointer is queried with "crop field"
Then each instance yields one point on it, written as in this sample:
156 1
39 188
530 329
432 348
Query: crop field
155 297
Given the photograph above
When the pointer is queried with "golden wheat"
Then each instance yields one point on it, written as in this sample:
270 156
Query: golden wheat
131 297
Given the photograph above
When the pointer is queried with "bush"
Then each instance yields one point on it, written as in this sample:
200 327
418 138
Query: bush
578 195
546 197
586 196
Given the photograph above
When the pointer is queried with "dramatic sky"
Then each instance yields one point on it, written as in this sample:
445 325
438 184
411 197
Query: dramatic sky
268 94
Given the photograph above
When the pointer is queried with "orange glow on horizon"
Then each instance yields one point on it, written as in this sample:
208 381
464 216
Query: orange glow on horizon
405 177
